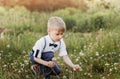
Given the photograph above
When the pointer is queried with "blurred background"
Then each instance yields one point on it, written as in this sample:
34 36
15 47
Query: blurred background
92 37
51 5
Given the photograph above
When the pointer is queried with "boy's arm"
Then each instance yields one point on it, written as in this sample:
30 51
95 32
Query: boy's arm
69 62
45 63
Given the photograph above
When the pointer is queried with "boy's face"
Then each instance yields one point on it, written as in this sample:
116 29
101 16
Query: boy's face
55 34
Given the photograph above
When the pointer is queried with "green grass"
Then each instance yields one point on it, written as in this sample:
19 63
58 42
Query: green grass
95 49
98 58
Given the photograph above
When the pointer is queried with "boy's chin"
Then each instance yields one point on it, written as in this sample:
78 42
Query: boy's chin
57 40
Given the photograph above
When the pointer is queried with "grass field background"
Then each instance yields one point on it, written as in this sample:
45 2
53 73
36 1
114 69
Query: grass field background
92 39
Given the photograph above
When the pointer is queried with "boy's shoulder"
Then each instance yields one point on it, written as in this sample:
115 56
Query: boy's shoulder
43 37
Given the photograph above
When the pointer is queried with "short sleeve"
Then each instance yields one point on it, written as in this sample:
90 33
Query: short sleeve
38 47
62 51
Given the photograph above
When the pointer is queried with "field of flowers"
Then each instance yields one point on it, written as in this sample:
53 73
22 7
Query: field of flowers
92 39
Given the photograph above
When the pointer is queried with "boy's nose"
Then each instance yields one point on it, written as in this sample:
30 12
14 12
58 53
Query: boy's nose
60 36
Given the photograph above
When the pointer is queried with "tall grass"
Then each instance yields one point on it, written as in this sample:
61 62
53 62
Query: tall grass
92 41
76 20
98 56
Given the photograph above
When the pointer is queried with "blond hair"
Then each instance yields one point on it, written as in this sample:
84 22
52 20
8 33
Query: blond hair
56 22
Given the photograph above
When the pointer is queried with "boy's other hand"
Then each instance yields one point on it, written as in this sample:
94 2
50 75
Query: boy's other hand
50 64
77 68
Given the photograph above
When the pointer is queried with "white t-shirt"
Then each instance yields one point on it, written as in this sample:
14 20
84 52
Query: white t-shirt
45 45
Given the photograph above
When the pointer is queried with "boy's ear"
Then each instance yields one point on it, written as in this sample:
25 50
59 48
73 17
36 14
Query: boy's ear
48 30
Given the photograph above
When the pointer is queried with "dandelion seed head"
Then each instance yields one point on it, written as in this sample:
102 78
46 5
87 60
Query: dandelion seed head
91 58
19 71
8 46
116 64
81 53
64 77
115 68
97 54
4 65
90 75
66 70
107 64
110 69
77 59
103 77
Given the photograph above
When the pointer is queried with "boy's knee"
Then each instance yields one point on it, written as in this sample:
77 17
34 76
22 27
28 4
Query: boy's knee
57 69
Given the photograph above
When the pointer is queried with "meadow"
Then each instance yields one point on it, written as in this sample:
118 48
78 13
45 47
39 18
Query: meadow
92 39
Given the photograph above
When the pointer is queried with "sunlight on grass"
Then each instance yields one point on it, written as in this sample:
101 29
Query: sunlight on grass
92 40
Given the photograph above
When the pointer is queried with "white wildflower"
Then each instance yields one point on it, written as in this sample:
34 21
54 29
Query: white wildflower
103 77
97 54
81 53
77 59
110 69
107 64
66 69
19 71
116 64
5 65
91 58
80 63
115 68
64 77
89 74
8 46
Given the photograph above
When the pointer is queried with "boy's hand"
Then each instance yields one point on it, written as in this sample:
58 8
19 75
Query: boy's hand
77 68
50 64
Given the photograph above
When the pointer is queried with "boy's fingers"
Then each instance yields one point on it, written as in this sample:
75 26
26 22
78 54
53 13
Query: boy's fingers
51 64
77 68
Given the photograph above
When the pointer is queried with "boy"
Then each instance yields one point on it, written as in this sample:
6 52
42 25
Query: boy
44 49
